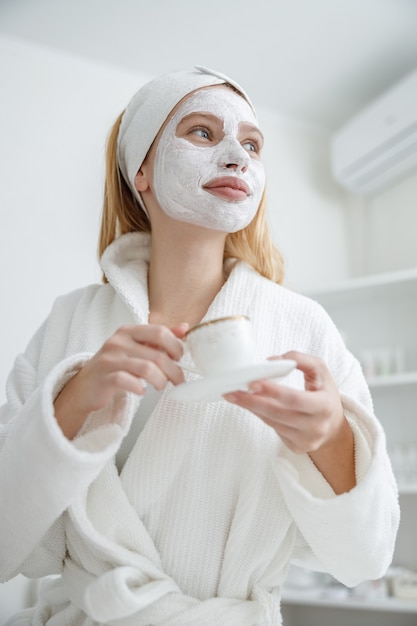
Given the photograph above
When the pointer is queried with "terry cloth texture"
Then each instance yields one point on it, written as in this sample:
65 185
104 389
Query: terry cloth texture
210 507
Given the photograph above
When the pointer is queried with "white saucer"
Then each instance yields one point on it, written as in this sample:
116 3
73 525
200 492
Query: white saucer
212 388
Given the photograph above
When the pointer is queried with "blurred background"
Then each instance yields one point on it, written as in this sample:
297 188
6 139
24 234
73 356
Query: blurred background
335 86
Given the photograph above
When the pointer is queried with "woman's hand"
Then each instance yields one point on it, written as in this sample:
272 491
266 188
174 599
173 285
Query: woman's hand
308 421
132 357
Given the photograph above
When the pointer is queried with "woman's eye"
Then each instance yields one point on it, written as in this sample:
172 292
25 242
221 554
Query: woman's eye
250 146
201 132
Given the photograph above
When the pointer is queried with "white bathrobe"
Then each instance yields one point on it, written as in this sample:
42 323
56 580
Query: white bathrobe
210 507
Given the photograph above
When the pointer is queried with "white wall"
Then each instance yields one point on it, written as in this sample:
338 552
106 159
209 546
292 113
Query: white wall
390 228
55 113
307 208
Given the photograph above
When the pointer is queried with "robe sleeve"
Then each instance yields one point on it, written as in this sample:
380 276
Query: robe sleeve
41 471
352 535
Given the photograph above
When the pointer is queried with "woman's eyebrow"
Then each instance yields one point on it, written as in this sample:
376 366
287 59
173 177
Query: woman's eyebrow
247 127
207 116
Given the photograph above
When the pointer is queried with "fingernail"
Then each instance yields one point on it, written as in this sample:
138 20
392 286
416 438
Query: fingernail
255 387
230 397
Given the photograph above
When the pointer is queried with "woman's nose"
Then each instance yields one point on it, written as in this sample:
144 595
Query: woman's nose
233 156
235 166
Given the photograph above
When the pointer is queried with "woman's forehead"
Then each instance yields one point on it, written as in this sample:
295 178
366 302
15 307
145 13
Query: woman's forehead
219 101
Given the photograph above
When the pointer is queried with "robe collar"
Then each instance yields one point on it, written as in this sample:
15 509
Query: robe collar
125 263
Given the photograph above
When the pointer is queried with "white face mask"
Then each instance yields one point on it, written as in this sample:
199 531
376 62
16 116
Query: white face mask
211 175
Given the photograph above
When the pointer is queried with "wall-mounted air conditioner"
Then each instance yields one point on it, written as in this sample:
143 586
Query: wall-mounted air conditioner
379 145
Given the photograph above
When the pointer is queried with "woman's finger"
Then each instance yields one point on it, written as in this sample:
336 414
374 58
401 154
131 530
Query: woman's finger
157 336
287 398
314 369
153 365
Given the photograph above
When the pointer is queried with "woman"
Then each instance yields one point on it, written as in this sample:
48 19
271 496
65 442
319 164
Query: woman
146 510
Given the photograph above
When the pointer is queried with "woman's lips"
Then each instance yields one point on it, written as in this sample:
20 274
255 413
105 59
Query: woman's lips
228 187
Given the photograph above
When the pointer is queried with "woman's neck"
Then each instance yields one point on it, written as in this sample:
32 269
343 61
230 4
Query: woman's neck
185 274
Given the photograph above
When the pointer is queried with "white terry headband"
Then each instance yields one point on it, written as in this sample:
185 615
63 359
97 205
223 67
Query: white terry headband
148 110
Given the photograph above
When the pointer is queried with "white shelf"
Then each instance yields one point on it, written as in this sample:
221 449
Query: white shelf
318 597
373 282
393 380
376 314
407 490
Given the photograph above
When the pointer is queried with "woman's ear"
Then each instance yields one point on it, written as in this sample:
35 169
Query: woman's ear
141 181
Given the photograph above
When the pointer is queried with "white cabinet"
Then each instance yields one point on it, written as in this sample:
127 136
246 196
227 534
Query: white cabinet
377 315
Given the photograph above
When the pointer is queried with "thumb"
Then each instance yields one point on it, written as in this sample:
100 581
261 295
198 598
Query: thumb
312 367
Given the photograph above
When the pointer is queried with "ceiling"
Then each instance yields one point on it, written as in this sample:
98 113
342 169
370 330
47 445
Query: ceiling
316 60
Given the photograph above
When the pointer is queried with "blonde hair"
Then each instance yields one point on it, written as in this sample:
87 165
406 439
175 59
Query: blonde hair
122 214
